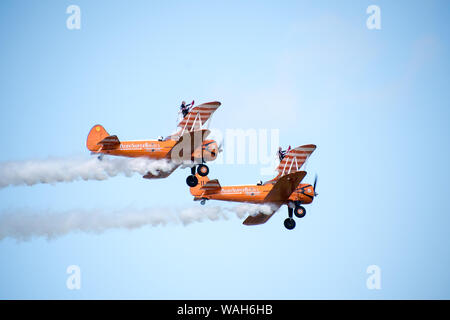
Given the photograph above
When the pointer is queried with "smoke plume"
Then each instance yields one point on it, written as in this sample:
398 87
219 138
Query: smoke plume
24 225
69 169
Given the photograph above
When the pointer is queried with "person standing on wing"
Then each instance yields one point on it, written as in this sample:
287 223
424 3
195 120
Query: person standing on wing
282 153
184 108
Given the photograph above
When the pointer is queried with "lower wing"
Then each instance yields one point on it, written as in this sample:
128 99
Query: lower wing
261 218
160 174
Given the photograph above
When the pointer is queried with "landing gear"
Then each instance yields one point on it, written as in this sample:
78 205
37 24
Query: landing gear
202 202
100 157
289 223
192 181
202 170
299 211
294 209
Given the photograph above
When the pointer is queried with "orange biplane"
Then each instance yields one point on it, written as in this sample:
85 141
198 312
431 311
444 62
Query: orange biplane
285 188
187 144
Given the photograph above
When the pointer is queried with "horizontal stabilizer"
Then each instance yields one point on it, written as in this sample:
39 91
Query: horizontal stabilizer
109 143
211 186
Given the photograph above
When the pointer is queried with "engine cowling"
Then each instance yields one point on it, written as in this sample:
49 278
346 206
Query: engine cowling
209 151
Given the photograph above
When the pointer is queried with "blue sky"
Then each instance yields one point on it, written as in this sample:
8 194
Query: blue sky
375 102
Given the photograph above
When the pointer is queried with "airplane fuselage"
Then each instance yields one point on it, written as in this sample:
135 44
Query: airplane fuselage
142 148
304 193
156 149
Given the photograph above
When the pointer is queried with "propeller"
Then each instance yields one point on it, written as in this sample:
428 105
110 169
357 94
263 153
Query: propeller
314 186
220 147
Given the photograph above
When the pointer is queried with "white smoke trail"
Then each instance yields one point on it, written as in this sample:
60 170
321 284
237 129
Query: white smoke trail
24 225
69 170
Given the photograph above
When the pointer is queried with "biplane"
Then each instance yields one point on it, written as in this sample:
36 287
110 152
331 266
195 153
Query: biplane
187 145
285 188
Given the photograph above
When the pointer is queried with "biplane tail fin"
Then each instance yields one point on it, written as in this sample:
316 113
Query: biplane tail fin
97 134
198 190
99 139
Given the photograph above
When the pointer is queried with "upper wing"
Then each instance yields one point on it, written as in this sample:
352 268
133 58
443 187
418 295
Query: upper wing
198 115
284 187
294 160
211 186
260 218
109 143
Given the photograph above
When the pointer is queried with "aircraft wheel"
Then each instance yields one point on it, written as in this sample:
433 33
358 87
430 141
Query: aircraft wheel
203 202
192 181
289 223
202 170
299 211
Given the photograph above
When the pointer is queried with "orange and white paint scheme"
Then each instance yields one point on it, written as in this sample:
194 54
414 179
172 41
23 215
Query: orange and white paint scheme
188 144
285 188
